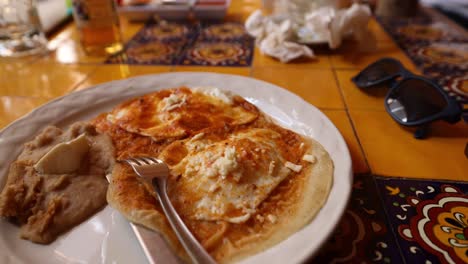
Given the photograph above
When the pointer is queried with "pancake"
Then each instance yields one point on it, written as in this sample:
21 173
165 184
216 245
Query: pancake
241 183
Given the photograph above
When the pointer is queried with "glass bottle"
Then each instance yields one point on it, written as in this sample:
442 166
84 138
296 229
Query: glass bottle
98 25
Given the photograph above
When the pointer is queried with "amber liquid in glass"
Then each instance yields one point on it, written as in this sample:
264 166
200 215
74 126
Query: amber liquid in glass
98 26
101 40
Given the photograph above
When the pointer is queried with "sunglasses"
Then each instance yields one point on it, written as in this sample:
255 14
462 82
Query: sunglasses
412 100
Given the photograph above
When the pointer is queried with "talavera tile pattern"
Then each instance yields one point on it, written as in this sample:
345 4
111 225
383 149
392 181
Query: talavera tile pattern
439 49
191 44
414 221
429 218
363 235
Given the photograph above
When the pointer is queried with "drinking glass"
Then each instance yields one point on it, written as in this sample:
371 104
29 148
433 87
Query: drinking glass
20 29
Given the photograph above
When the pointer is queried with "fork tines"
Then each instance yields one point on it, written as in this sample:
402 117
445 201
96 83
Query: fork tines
139 161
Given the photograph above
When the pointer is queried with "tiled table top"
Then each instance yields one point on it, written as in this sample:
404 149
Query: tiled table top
378 145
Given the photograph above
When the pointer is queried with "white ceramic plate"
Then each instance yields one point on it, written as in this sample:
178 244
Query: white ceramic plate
107 237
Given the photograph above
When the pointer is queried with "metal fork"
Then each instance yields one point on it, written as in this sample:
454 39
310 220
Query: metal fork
157 172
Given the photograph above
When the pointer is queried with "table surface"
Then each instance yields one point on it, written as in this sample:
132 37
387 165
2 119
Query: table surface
377 144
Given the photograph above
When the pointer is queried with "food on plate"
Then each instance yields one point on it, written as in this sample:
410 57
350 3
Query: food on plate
57 181
139 2
180 113
239 181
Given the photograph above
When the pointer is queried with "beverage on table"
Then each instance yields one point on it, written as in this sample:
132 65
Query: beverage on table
98 25
20 29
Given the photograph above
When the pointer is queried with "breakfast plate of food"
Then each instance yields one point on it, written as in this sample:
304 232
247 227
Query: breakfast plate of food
256 173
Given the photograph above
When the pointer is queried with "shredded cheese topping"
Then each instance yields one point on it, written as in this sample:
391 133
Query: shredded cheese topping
260 218
271 167
239 219
197 136
224 96
222 166
293 167
214 187
173 101
272 218
310 158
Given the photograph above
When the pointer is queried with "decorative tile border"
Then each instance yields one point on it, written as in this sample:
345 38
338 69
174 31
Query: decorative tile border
429 218
395 220
214 44
362 236
436 46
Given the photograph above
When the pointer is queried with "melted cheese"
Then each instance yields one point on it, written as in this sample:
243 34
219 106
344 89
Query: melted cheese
178 113
228 179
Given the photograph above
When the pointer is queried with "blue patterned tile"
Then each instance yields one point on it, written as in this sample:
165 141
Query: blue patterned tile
438 48
429 218
220 44
149 53
216 53
362 236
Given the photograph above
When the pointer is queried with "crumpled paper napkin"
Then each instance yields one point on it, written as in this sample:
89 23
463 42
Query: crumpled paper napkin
338 24
281 38
275 38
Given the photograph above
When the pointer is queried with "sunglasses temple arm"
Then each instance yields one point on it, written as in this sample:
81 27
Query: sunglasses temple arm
422 131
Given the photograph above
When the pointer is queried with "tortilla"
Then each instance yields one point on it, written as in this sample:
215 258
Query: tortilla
229 231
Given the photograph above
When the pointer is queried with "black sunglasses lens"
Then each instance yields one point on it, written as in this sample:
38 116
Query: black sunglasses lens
376 72
415 99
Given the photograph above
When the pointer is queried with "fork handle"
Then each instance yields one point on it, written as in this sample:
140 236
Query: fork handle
194 249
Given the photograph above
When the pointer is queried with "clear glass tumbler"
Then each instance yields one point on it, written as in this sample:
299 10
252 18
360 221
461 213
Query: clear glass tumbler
20 29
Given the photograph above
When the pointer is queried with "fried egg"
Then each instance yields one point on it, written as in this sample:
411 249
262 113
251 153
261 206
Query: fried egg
181 112
227 179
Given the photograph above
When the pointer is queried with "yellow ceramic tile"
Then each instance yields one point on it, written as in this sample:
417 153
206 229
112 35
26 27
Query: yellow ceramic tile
356 98
23 61
341 120
391 149
321 61
348 56
240 4
228 70
47 80
65 47
107 73
380 34
129 29
239 10
70 51
13 107
317 86
66 32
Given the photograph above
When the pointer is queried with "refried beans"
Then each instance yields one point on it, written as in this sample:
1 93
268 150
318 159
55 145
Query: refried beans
46 205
